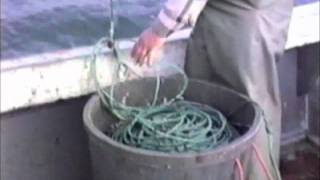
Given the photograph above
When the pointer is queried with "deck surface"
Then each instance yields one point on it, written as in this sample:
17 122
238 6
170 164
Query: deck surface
300 161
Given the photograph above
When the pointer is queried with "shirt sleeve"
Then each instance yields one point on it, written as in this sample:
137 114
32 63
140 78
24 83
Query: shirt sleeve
173 16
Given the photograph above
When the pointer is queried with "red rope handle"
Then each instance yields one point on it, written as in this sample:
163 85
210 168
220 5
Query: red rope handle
240 169
262 162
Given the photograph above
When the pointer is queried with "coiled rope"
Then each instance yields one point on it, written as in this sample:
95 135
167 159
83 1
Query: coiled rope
175 125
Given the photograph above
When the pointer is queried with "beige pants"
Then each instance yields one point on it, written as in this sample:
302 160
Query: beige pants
236 43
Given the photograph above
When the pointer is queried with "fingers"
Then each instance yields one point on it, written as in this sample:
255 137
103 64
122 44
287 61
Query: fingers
151 57
139 52
147 47
142 56
134 52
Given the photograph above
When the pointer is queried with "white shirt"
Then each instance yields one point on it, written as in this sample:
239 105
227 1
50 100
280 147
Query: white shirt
175 14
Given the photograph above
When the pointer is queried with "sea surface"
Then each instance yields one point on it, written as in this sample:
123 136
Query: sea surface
37 26
32 26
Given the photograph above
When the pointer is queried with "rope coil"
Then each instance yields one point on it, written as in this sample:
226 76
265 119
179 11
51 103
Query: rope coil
171 125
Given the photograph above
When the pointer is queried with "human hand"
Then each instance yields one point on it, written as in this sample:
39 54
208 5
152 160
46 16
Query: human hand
147 48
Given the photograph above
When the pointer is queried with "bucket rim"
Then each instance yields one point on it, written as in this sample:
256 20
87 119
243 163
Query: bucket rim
232 147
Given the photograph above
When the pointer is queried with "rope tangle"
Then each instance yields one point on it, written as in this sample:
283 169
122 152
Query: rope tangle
174 125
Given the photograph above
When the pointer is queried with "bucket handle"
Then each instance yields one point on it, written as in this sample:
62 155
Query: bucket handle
240 169
262 162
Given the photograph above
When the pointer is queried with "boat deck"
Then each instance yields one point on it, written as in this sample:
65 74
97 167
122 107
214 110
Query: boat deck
300 161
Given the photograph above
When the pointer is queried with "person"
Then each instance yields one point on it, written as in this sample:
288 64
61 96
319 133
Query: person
235 43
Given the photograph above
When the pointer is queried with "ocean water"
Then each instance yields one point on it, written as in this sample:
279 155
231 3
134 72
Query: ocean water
32 27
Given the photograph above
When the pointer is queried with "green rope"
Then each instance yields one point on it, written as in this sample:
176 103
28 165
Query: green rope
175 125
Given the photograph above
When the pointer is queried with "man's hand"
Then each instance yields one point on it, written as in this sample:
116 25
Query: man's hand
147 48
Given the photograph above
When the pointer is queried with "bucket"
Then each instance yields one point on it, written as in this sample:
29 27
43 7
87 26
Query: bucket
114 161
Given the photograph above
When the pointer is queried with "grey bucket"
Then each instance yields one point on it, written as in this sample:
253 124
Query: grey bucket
115 161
